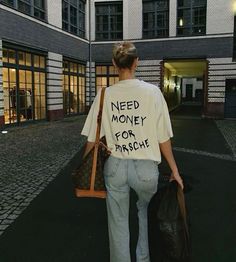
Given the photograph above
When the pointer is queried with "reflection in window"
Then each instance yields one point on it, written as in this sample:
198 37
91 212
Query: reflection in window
24 86
109 21
155 18
106 76
73 88
34 8
73 16
191 17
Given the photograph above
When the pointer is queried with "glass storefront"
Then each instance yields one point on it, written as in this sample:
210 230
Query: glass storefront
73 88
24 86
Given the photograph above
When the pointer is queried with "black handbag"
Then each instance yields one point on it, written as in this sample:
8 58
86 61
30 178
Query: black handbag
168 232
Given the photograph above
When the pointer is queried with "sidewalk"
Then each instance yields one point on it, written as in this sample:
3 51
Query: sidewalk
55 226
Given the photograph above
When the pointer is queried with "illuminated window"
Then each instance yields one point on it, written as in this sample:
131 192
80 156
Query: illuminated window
24 86
73 87
191 17
106 75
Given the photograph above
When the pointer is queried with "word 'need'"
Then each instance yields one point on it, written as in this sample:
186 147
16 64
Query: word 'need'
128 105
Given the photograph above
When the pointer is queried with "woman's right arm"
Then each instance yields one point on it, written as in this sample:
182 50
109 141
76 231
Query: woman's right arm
166 150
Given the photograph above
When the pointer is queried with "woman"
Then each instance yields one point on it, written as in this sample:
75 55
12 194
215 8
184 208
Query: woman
137 128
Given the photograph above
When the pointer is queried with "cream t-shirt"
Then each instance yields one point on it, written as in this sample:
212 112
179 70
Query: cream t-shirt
135 120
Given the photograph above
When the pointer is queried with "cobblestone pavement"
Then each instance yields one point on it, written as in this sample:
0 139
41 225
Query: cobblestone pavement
228 130
31 156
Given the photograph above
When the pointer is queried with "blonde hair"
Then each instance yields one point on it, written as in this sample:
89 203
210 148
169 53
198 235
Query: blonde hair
124 54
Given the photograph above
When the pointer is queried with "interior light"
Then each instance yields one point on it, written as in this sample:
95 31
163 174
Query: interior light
181 22
234 7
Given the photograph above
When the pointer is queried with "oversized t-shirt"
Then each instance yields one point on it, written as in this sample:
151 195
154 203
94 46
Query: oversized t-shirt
135 120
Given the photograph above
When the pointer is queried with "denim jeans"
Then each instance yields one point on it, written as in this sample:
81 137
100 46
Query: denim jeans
120 175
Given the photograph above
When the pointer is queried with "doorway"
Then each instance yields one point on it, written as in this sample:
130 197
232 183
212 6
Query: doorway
185 85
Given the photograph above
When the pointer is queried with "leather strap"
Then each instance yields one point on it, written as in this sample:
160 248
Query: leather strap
181 200
99 123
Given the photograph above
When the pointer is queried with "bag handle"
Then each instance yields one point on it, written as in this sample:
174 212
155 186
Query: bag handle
99 123
181 200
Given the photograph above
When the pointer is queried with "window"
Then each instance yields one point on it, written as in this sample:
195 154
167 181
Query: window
34 8
155 18
106 75
24 86
191 17
73 16
73 87
109 21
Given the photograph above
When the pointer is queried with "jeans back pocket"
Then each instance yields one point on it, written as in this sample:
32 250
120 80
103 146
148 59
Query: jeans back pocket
146 170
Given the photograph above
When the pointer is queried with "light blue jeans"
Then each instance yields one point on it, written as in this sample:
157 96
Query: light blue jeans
120 175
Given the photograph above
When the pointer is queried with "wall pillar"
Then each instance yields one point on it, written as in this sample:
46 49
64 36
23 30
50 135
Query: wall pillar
173 18
90 84
54 86
1 88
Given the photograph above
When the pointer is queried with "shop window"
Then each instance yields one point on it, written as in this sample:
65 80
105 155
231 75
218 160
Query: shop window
24 86
73 87
109 21
34 8
155 18
191 17
106 75
73 16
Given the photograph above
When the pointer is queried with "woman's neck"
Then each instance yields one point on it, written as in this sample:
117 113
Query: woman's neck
125 74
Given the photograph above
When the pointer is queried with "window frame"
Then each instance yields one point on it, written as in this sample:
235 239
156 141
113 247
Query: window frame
107 74
155 12
77 74
80 16
33 69
191 9
110 16
32 7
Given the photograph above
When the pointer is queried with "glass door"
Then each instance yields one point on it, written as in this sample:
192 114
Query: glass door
10 95
25 95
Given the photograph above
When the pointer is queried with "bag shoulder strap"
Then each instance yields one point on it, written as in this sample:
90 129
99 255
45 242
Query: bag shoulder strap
95 154
99 117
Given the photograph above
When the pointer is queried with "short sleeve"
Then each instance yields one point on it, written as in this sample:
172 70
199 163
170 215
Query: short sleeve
164 128
90 125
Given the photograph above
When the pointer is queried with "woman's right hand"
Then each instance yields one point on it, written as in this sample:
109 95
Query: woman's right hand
176 176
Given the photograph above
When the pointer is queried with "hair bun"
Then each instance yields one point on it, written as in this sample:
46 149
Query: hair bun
124 54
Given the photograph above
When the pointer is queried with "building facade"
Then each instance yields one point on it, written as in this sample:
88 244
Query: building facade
54 55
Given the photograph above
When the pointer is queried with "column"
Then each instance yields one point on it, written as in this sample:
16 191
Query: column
173 18
132 19
54 10
90 86
55 86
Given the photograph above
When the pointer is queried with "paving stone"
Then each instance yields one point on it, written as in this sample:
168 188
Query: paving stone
3 227
31 157
228 130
